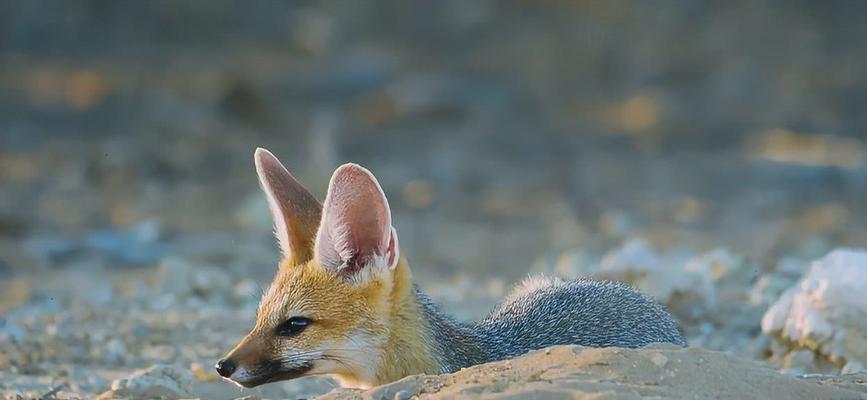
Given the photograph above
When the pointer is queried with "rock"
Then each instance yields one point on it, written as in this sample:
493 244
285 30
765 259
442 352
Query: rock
825 312
115 351
202 374
718 263
139 245
799 361
403 395
158 381
10 331
768 287
180 278
174 276
685 285
402 389
637 263
247 291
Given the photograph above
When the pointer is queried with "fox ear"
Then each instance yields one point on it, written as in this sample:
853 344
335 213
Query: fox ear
356 230
295 211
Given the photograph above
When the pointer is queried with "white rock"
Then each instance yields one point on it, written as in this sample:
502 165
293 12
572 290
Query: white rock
718 263
158 381
661 276
826 311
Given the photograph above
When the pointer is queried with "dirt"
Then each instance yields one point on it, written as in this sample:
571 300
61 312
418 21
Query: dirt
571 372
704 153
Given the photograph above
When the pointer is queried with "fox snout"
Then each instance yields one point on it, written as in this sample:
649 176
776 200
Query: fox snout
252 364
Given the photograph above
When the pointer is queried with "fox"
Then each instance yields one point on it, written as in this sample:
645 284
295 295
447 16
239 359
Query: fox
343 303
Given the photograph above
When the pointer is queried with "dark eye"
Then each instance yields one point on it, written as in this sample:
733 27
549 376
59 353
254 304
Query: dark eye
292 326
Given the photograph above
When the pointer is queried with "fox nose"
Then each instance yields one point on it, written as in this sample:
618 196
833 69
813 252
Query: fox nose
225 367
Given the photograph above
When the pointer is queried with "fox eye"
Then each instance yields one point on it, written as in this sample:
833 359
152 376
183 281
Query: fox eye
292 326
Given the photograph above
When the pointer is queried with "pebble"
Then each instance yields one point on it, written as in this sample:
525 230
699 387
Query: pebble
12 331
659 360
115 351
166 381
403 395
202 374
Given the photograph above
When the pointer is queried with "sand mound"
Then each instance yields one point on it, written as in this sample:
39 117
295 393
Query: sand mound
572 372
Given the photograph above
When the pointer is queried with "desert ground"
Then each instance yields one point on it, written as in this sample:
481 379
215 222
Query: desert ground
713 155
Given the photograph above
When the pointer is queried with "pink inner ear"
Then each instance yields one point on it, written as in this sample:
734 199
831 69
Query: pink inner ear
356 221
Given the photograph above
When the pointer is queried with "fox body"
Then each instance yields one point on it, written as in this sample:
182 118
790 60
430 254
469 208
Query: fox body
343 302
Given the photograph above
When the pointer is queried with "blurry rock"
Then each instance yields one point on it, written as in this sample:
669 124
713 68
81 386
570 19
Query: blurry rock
662 277
826 312
10 331
208 280
178 277
244 101
52 250
158 381
175 276
115 352
768 287
160 353
138 245
799 361
718 263
247 290
785 146
100 294
202 374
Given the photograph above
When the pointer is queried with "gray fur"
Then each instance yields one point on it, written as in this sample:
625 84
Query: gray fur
550 312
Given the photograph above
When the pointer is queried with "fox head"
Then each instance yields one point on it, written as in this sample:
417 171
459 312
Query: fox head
326 311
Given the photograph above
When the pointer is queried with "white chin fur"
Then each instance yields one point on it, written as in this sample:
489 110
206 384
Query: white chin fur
239 376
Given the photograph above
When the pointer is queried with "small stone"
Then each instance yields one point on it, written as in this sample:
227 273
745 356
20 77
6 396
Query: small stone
175 276
211 281
13 331
403 395
115 351
201 374
167 381
140 330
659 360
799 361
247 290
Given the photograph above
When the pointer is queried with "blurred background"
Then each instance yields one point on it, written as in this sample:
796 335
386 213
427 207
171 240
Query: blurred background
509 136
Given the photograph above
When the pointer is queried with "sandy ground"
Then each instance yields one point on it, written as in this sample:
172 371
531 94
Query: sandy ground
571 372
705 153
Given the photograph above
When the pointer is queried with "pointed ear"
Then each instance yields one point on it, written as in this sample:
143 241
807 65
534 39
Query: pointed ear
356 230
295 211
